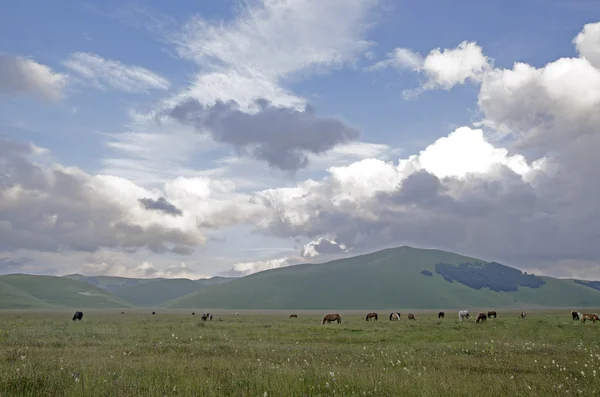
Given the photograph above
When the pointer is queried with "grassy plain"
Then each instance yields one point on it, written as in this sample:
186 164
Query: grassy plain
268 354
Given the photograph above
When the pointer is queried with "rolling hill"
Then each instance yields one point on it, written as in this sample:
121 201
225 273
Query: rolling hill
148 292
403 277
21 291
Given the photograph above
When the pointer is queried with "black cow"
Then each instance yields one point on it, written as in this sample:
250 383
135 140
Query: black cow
78 316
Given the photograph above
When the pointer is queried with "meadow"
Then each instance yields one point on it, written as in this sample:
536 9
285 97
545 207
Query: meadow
269 354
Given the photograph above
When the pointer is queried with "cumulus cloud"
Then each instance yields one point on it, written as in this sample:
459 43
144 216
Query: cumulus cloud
587 43
443 68
531 205
322 246
24 76
160 204
543 107
282 137
246 268
108 73
55 208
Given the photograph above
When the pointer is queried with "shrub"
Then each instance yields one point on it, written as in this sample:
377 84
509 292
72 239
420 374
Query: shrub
492 275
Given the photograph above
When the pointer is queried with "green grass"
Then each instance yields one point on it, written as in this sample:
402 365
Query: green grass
175 354
21 291
389 278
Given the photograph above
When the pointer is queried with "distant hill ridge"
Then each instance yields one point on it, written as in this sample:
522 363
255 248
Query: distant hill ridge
394 278
403 277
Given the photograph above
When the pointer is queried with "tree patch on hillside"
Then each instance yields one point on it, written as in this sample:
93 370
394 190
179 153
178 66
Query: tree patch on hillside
426 273
592 284
493 275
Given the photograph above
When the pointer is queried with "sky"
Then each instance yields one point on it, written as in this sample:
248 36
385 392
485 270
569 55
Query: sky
196 139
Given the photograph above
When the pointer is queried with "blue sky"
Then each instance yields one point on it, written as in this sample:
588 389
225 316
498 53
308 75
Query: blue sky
124 97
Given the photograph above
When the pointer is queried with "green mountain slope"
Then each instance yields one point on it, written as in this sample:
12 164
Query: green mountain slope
109 283
157 292
148 291
41 292
402 277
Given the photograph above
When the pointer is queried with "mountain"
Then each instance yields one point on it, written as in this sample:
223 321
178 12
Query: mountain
403 277
148 292
22 291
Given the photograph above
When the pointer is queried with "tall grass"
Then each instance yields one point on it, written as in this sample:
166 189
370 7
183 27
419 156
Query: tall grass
546 354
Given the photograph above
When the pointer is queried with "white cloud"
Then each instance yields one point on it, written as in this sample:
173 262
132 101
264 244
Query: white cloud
246 268
443 68
20 75
543 107
322 246
107 73
588 43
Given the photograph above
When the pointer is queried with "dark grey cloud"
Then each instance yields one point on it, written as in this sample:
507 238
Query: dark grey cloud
182 250
162 205
283 137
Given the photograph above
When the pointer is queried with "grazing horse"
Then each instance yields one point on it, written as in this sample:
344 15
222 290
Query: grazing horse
293 316
78 316
441 314
411 316
204 317
523 314
575 315
394 316
492 313
462 314
587 316
329 317
373 316
481 317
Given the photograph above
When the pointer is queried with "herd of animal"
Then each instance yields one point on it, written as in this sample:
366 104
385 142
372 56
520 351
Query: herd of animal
395 316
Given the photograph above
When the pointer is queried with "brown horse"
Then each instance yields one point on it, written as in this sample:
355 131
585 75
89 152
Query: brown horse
523 315
373 316
394 316
481 317
329 317
589 316
293 316
492 313
575 315
411 316
441 315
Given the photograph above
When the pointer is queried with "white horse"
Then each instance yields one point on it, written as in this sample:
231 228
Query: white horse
463 314
394 316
